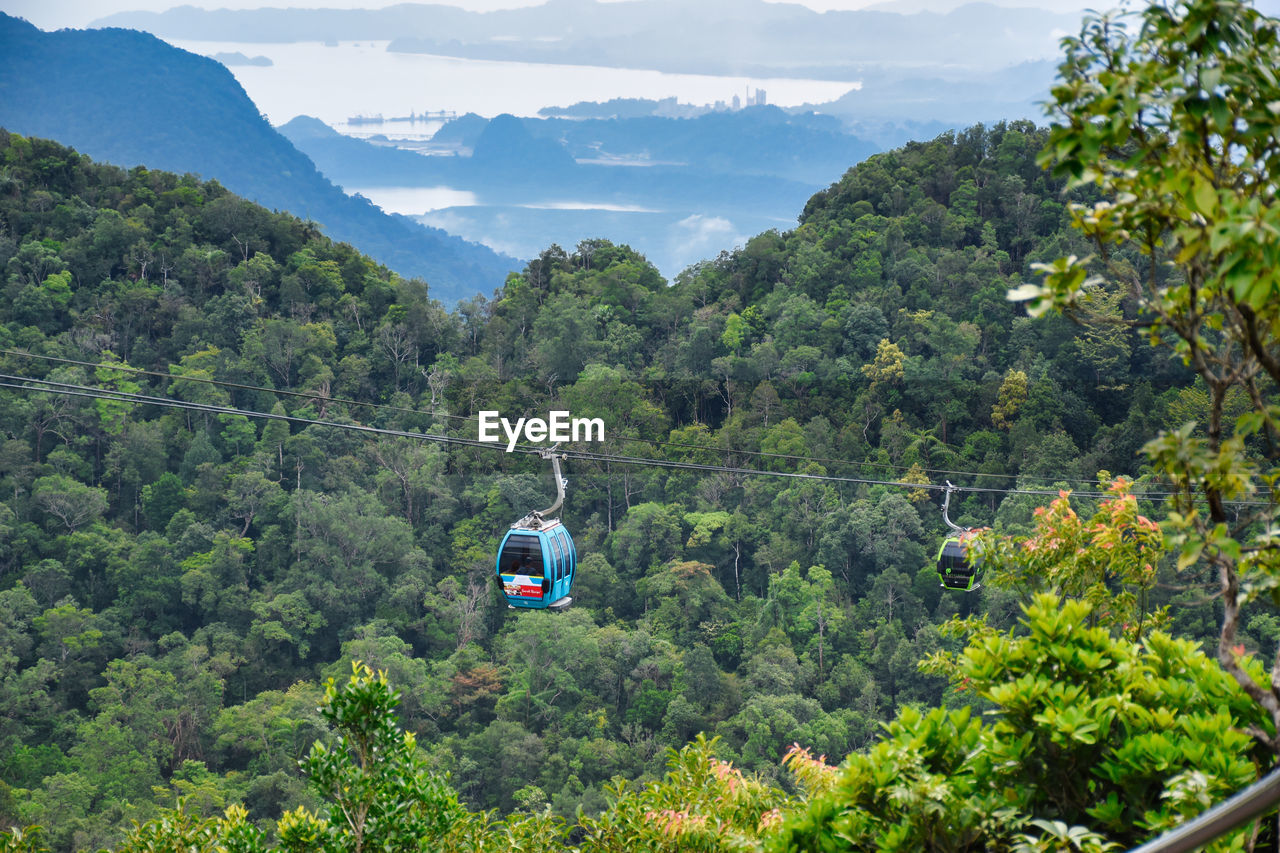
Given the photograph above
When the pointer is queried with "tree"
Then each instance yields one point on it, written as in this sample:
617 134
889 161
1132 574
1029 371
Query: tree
679 597
71 502
379 792
1098 736
1174 124
702 803
148 722
1013 393
648 535
248 494
1108 560
161 499
383 797
348 552
114 413
869 536
417 468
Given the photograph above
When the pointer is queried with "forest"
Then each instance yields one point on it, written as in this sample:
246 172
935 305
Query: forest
229 615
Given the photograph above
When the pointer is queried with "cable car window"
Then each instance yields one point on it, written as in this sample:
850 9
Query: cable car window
570 556
559 552
521 555
953 557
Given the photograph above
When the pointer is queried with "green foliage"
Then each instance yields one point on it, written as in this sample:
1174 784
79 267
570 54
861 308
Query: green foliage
1013 393
70 502
172 581
378 791
28 840
702 803
1109 560
177 829
1092 735
382 795
1173 122
161 499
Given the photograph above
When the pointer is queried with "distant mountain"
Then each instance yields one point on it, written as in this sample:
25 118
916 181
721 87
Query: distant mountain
742 37
907 7
911 7
759 140
626 108
130 99
506 148
687 189
761 41
292 25
952 98
238 58
720 153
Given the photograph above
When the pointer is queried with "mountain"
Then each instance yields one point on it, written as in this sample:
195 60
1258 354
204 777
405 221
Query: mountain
506 148
128 98
955 98
677 190
743 37
763 141
910 73
760 42
911 7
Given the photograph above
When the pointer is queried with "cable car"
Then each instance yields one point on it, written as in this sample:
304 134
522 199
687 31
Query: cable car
537 560
536 565
958 568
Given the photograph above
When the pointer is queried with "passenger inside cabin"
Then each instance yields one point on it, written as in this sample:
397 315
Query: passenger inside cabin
528 568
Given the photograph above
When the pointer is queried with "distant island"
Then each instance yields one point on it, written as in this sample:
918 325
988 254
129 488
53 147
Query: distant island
623 108
678 190
238 58
745 38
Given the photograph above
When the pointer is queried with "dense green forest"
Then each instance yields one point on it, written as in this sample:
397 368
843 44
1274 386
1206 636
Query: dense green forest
177 584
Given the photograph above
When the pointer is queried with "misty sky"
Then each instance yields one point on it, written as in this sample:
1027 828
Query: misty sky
55 14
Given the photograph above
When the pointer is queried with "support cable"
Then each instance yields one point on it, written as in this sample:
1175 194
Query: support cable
74 390
320 398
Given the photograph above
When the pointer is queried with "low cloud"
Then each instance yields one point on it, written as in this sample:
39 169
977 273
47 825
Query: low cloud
703 237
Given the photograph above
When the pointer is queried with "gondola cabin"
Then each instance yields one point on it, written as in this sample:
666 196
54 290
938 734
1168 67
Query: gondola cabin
536 566
958 566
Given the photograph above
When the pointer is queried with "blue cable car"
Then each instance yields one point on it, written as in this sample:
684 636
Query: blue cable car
537 559
536 565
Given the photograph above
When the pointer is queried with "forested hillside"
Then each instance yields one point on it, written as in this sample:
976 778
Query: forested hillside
128 98
175 584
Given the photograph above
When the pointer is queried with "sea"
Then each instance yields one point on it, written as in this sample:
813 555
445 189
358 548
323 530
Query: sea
361 89
339 81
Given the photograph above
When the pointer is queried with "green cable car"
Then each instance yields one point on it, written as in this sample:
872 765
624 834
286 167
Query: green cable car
958 566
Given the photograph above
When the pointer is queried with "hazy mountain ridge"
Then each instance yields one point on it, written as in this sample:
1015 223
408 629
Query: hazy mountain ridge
516 175
953 100
765 141
735 173
836 45
765 39
128 98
